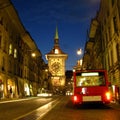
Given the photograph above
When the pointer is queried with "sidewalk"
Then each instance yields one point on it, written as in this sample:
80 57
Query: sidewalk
6 100
115 105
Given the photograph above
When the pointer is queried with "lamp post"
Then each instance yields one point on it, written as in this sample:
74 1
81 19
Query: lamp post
79 51
33 54
79 62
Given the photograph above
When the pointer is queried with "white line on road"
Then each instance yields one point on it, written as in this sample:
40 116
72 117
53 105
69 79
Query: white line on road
41 111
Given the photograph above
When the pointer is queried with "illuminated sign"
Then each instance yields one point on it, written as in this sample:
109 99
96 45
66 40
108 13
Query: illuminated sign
90 74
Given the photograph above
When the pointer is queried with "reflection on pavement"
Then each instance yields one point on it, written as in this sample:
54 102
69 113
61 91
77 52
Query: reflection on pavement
40 112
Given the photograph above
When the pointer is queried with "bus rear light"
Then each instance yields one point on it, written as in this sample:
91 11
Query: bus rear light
75 98
108 95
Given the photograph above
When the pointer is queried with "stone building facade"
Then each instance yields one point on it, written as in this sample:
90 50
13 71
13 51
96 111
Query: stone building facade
20 73
102 50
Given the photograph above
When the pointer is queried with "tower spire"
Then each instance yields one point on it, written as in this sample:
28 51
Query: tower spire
56 38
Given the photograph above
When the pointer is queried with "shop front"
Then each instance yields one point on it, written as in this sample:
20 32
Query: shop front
26 89
1 89
11 92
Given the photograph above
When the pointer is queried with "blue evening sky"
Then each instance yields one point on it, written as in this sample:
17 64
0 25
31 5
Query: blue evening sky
73 18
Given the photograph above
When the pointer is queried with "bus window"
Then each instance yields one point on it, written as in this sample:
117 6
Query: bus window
90 80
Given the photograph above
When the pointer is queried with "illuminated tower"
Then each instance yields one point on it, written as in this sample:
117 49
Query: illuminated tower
56 63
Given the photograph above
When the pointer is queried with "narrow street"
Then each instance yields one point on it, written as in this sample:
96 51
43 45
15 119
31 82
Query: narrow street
57 108
65 111
16 109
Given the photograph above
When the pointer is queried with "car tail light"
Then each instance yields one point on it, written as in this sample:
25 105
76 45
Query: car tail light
108 95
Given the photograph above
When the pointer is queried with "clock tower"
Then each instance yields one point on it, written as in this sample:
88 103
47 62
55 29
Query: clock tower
56 63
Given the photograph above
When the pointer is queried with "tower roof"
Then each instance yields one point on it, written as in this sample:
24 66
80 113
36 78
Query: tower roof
56 38
56 48
56 33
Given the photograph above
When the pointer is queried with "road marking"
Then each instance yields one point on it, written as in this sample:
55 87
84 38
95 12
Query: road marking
40 112
47 110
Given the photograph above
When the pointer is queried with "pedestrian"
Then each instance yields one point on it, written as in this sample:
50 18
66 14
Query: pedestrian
11 93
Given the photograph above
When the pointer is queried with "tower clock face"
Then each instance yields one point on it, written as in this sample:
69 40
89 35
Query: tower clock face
55 67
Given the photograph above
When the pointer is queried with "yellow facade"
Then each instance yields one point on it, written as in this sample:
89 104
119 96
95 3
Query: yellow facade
104 53
20 74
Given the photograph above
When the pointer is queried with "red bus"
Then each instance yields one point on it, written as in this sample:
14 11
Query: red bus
91 86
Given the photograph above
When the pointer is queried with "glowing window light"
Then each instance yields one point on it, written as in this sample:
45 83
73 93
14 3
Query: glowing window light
15 53
90 74
56 51
10 49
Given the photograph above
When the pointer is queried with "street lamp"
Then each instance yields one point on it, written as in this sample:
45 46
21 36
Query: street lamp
33 54
79 62
79 51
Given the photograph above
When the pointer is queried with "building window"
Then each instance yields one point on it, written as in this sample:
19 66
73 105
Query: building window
1 21
15 69
109 32
118 7
4 45
3 64
113 2
56 51
115 24
10 49
0 41
10 66
111 57
25 73
117 51
15 53
108 60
